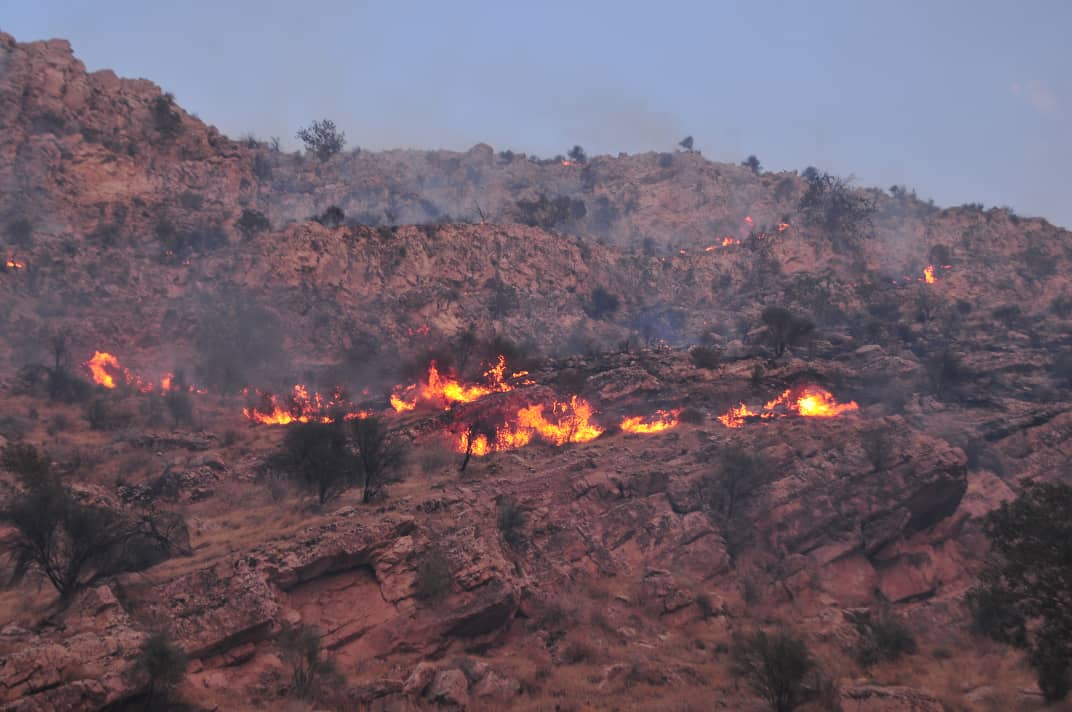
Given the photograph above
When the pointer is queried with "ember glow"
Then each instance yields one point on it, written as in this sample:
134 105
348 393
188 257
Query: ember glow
15 264
726 242
568 422
301 407
444 390
99 367
660 421
928 274
808 402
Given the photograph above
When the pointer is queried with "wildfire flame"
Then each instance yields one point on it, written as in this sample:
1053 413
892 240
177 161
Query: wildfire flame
98 366
569 423
300 407
15 264
726 242
748 219
568 163
783 226
106 371
660 421
928 274
809 402
445 390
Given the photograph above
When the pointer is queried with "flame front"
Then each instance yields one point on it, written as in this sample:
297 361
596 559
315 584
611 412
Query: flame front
808 402
300 407
662 420
569 423
928 274
15 264
446 390
100 364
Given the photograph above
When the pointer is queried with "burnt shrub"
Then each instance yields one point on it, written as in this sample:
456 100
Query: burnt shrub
945 371
601 304
332 217
785 329
549 213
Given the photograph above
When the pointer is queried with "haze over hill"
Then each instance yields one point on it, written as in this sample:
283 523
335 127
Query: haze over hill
726 397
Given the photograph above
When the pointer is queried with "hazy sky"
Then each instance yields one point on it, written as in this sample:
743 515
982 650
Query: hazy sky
965 101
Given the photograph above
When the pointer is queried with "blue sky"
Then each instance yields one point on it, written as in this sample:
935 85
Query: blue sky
963 101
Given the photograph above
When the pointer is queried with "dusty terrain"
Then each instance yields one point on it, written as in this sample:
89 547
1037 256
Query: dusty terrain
617 587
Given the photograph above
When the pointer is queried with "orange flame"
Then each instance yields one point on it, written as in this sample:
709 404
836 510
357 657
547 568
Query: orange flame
748 219
14 264
300 407
571 423
726 242
98 366
783 226
808 402
928 274
662 420
445 390
568 163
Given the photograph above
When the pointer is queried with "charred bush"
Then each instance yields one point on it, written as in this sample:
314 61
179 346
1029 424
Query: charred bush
752 163
103 413
601 304
322 139
166 118
945 371
252 223
604 214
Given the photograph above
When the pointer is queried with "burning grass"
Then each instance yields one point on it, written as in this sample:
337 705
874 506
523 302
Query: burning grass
806 401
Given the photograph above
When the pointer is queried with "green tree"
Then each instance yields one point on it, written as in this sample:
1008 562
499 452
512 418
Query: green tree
1025 593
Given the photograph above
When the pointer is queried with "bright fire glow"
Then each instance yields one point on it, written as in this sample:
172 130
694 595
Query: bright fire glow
14 264
568 423
100 364
301 407
660 421
443 390
809 402
928 274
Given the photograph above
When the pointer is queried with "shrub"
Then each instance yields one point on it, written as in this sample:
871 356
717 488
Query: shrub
577 155
1038 263
166 118
164 664
1022 595
74 545
774 666
179 403
601 304
752 163
945 371
252 223
686 143
830 204
103 413
878 445
883 638
379 452
785 329
302 650
511 519
549 213
433 577
666 160
1061 306
1008 314
707 357
692 416
317 456
322 139
332 217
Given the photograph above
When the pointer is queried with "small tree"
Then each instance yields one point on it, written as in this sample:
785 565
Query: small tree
332 217
166 118
774 666
475 430
785 328
178 400
878 446
577 155
1024 593
322 139
511 519
379 452
164 663
302 649
752 163
686 143
739 474
318 457
830 203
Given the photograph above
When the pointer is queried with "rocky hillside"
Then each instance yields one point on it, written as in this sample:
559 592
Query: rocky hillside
608 572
